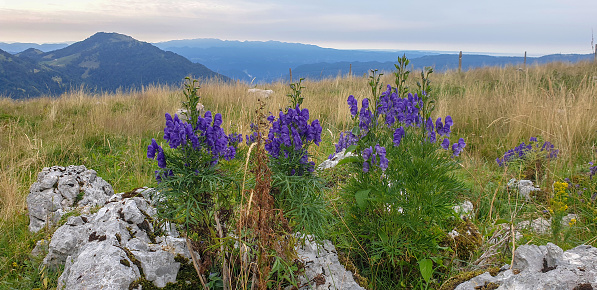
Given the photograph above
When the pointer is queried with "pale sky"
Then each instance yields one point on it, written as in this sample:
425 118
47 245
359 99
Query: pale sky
496 26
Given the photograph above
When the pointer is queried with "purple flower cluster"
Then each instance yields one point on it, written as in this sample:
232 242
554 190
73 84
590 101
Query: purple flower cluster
234 139
444 129
154 148
352 103
398 135
365 116
154 151
523 149
457 147
291 133
207 135
593 170
346 139
214 138
178 132
253 137
396 109
377 158
430 130
439 128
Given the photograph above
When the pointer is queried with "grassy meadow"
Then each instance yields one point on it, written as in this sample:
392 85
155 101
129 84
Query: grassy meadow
494 109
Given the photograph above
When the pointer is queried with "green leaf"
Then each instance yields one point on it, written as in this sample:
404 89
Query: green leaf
501 221
361 197
350 159
350 149
426 267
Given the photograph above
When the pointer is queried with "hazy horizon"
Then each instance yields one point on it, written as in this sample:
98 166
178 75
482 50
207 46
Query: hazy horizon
529 54
495 27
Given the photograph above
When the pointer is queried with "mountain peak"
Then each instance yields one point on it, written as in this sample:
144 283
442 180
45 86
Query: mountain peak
110 36
104 61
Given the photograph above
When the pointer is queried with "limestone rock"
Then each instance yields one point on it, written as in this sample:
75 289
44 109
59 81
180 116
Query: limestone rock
329 163
524 187
539 225
322 268
119 241
99 265
543 267
58 189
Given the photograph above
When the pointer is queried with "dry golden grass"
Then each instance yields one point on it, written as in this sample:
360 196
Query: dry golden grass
493 109
504 106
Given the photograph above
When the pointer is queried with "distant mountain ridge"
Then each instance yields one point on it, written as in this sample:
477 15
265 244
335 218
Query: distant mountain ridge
21 46
109 61
102 62
266 61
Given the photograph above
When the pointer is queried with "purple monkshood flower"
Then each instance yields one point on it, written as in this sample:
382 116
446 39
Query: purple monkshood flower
458 147
443 130
383 160
365 103
446 144
152 149
430 130
234 139
398 135
365 167
352 103
290 134
522 150
449 122
176 131
367 153
161 157
377 158
365 116
346 139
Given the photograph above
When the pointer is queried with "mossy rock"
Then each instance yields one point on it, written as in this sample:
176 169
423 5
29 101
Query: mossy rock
465 239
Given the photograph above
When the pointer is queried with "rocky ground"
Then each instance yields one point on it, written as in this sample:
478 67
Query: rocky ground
110 241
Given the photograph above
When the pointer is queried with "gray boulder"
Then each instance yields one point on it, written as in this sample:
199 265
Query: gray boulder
99 265
524 187
543 267
59 189
115 246
332 162
322 268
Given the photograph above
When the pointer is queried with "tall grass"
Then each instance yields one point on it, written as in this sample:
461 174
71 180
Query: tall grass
500 107
495 108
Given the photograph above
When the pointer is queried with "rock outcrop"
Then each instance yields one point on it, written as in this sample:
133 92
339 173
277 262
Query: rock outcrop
323 269
543 267
59 189
332 162
524 187
121 242
111 240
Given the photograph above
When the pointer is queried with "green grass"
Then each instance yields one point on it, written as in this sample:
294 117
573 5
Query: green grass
494 109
